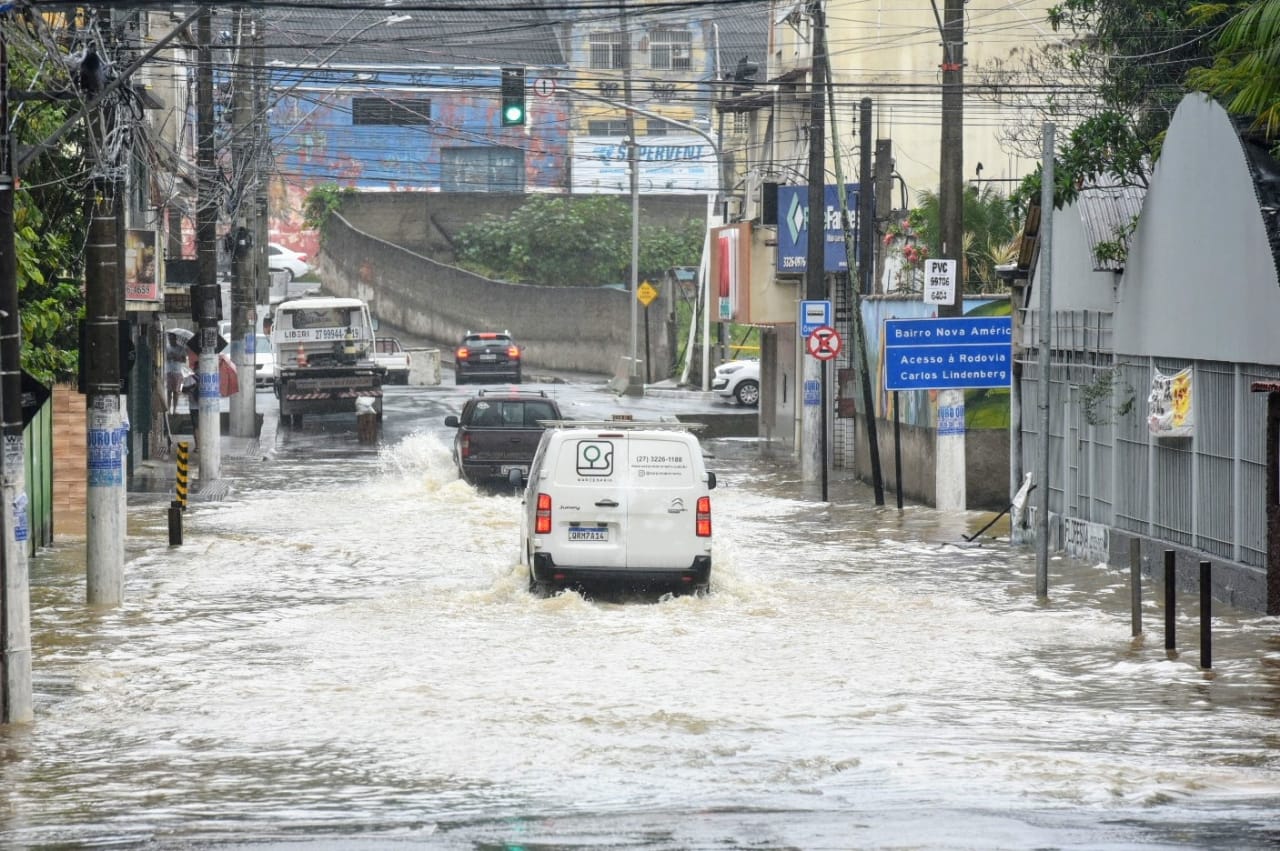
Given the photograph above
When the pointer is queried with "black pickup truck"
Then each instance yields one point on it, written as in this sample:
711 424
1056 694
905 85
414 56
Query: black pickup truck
498 432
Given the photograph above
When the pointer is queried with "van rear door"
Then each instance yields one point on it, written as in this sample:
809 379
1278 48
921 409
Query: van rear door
664 490
589 502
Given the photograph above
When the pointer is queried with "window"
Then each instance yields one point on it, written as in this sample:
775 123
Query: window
658 127
487 169
609 127
670 50
385 111
608 50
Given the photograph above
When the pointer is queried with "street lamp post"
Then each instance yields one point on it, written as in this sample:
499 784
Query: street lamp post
635 231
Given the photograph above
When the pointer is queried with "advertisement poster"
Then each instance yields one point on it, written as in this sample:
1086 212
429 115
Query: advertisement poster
140 282
1169 405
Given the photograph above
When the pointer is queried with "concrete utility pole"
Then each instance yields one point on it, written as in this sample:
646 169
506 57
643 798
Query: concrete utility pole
205 302
261 272
949 475
105 502
15 592
635 387
813 443
244 414
1045 360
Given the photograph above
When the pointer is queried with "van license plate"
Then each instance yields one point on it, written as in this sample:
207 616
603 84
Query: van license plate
588 533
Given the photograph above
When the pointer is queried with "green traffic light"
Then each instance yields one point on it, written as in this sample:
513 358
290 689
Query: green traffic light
513 113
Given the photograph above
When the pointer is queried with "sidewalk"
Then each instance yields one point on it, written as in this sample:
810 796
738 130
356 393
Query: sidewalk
159 475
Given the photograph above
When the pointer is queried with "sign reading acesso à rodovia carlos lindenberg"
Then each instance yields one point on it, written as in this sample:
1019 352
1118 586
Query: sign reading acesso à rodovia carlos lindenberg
953 353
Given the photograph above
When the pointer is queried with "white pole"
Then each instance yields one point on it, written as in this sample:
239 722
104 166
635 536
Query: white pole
1046 311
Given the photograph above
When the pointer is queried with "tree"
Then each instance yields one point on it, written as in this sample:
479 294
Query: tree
49 224
1120 74
991 221
1246 68
572 242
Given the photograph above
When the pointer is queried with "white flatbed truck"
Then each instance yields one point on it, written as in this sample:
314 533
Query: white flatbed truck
324 357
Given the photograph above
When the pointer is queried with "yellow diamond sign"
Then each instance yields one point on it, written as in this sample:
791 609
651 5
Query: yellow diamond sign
646 293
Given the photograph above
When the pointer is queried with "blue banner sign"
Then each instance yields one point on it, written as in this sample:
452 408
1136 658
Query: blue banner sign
793 228
961 353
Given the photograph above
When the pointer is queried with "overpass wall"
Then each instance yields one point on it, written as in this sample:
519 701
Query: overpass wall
578 329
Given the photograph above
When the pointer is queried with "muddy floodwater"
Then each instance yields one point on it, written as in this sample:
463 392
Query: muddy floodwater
344 654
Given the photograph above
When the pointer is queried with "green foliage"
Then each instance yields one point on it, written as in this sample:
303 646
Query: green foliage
1139 54
1106 398
572 241
49 224
320 202
1246 68
1117 249
991 221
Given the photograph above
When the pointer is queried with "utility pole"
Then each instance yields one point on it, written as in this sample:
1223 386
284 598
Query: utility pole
15 592
949 474
813 420
261 272
244 414
100 353
205 303
635 387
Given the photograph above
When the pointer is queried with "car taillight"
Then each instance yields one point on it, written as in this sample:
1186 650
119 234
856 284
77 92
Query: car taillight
513 352
462 354
702 518
465 446
542 519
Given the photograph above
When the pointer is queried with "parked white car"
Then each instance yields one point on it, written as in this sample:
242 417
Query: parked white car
284 259
264 358
618 502
738 380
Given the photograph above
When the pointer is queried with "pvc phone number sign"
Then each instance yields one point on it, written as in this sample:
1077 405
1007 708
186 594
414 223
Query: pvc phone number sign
939 281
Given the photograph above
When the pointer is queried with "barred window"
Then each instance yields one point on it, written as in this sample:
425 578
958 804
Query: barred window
608 50
670 50
384 111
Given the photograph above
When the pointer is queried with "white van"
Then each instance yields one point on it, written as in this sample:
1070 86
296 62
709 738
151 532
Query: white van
618 502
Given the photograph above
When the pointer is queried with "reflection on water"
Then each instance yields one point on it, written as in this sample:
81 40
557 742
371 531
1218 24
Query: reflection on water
348 650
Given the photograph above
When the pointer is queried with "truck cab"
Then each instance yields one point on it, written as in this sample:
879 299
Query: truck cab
324 357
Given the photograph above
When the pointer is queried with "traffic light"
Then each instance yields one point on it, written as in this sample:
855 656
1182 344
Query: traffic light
513 112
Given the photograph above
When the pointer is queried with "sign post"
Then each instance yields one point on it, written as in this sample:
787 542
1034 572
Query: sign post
646 294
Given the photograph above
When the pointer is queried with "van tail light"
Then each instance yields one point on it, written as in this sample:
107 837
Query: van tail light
542 518
513 352
465 446
702 518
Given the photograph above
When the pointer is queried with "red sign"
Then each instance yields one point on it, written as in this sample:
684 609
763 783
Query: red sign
823 343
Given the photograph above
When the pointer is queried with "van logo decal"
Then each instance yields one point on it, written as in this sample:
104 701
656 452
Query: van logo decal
595 458
676 507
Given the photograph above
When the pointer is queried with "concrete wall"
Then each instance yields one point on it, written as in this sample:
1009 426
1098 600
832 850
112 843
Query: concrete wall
578 329
70 470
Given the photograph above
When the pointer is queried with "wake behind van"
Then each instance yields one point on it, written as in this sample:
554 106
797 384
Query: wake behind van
622 503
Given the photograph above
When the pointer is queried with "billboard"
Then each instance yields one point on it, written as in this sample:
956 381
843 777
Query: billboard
669 165
793 228
140 281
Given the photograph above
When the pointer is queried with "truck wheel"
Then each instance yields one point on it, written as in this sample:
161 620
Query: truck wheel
297 420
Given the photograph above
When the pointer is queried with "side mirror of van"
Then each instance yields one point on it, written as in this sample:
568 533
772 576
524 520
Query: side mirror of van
451 421
711 481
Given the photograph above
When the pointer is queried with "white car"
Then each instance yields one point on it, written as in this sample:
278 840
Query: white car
738 380
284 259
264 358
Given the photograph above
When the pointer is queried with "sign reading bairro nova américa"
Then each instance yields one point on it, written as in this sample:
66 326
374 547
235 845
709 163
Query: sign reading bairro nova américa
960 353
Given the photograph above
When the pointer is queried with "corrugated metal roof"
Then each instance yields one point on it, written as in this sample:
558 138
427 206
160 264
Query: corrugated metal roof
487 34
1108 211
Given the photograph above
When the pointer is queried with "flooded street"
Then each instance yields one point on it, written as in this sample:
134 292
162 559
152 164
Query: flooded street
344 654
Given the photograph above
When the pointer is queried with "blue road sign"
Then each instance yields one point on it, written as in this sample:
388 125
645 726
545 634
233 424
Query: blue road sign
814 314
961 353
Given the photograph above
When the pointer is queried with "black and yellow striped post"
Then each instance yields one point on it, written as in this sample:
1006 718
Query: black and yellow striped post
179 504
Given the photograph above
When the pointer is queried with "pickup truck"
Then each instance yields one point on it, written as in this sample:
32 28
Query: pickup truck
498 433
391 356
